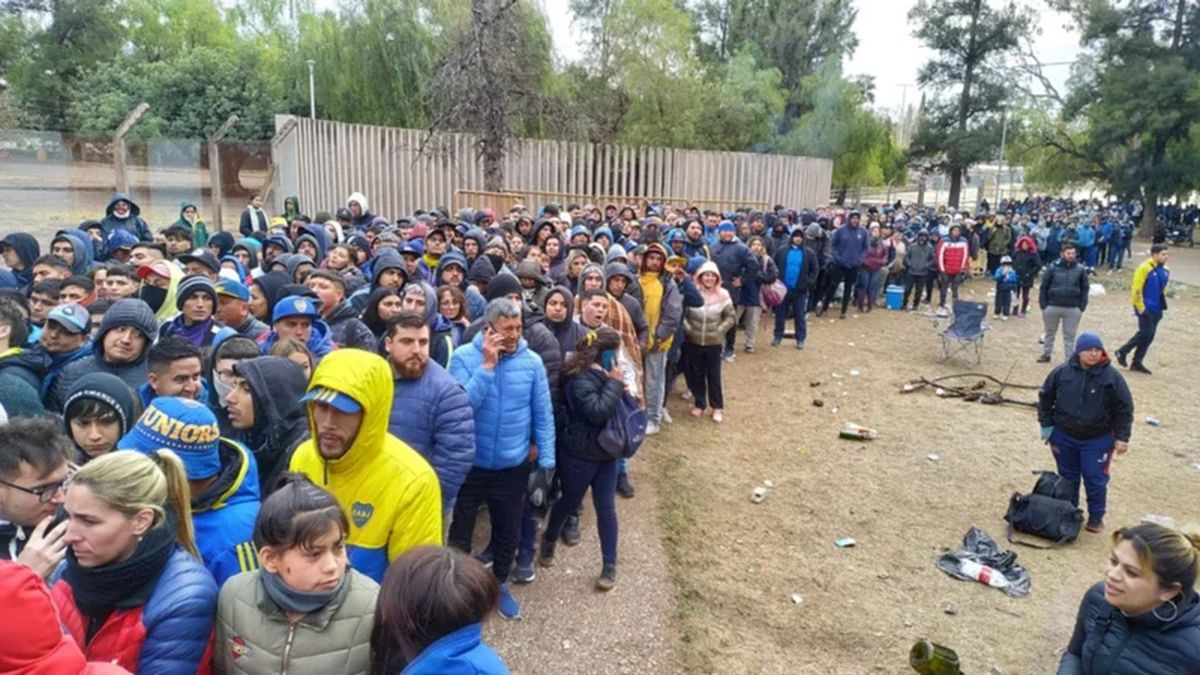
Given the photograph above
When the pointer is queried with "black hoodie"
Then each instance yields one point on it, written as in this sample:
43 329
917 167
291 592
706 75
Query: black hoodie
280 421
28 250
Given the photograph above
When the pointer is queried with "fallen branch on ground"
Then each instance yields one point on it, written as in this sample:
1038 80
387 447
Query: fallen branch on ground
976 391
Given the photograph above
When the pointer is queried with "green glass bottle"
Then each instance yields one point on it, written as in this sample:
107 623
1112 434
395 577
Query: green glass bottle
928 658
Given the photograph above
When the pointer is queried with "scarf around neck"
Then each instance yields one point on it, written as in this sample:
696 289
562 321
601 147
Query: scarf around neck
298 602
100 590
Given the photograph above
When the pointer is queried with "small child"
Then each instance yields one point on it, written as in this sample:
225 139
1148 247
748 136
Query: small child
1006 283
305 610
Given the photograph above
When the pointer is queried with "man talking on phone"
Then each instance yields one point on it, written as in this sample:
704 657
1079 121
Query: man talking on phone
509 394
33 469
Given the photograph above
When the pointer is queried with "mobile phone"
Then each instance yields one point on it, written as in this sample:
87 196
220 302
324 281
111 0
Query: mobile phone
606 360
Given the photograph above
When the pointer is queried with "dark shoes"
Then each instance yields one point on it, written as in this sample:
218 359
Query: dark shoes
546 553
1139 368
1043 359
624 487
607 578
570 533
1094 524
1121 359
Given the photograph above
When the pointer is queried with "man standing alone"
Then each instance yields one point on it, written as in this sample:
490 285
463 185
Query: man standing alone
1063 297
1149 293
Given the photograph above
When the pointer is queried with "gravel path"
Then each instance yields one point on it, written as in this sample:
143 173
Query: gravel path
567 627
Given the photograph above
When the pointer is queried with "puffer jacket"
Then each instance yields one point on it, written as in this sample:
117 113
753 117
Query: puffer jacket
1026 260
224 513
132 222
1086 403
707 324
389 491
171 634
432 414
511 404
255 638
592 398
953 256
919 259
1064 286
1106 641
999 239
734 259
462 652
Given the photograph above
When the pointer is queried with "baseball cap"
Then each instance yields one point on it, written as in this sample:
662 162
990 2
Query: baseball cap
295 305
186 427
158 267
233 289
332 397
73 317
202 256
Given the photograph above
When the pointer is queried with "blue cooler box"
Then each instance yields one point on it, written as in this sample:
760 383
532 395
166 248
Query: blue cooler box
895 296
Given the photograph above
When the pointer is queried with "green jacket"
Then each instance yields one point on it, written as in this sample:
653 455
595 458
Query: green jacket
253 632
199 229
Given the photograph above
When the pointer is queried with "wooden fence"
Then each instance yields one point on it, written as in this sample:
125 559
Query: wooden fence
402 170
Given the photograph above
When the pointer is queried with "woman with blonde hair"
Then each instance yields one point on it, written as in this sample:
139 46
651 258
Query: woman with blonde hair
1144 618
132 590
705 327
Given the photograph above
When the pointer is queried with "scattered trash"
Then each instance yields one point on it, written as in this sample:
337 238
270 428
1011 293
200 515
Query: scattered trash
849 344
837 376
760 493
933 458
845 542
1096 291
797 598
853 316
940 392
984 389
833 410
1165 521
980 559
950 608
1196 467
907 388
818 403
995 670
857 432
769 483
814 383
854 373
1153 421
1010 612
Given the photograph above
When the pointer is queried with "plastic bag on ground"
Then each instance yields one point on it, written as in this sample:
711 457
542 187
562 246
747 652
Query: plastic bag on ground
979 548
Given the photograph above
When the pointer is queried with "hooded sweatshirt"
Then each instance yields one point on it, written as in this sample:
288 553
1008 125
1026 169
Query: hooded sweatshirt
198 229
81 245
125 312
28 250
132 222
567 332
362 222
389 491
223 514
280 423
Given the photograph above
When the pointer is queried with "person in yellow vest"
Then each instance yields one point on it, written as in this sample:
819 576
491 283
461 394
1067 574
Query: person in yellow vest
663 305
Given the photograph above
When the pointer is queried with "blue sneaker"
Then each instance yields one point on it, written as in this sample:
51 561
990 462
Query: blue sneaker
509 608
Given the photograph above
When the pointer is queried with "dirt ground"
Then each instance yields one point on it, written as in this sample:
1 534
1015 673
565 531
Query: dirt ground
738 564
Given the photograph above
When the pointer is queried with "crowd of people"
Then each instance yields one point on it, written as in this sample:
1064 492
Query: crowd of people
242 452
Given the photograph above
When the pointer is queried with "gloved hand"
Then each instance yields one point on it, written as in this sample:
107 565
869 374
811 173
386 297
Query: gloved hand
539 486
1046 431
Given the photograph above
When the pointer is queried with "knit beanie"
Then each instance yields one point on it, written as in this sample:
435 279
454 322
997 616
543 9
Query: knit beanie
502 285
18 398
106 388
1088 340
181 425
193 284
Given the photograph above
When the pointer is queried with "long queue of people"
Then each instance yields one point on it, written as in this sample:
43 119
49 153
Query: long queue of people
238 453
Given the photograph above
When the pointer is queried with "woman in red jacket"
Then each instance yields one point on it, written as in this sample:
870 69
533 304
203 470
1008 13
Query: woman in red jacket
132 590
953 256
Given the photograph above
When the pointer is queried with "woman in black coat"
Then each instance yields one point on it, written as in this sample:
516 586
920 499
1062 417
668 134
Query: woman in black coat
594 387
1144 618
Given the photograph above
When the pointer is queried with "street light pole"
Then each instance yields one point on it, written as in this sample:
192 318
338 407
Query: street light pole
1000 164
312 90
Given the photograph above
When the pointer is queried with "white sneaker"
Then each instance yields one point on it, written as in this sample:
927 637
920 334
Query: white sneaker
666 416
651 429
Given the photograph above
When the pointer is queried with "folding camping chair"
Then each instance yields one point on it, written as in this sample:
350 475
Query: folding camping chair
965 334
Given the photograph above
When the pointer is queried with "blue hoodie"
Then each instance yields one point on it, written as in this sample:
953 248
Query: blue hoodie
319 341
462 652
224 513
849 246
28 250
81 244
132 223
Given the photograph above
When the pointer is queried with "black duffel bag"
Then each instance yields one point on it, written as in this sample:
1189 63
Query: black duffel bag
1047 512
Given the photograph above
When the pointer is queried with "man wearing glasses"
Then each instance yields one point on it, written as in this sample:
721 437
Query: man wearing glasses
33 469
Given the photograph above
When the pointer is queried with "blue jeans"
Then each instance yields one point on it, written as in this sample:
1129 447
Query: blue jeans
1087 458
868 286
797 301
1116 255
577 475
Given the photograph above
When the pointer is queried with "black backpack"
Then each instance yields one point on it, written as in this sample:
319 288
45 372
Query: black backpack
1047 512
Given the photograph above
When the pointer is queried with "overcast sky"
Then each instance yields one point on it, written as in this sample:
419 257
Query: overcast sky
885 50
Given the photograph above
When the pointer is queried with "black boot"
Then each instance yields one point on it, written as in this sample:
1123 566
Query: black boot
570 532
624 487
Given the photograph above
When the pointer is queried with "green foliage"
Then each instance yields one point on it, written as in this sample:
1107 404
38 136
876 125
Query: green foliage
962 124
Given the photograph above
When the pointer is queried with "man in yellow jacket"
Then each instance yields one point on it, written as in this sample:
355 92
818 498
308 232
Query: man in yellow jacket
387 489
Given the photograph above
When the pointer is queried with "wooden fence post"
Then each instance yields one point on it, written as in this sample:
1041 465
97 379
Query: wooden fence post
118 146
214 171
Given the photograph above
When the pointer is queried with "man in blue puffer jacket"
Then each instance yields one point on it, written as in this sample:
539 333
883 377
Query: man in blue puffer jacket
430 410
509 392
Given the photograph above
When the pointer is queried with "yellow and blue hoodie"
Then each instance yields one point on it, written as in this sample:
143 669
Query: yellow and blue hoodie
389 491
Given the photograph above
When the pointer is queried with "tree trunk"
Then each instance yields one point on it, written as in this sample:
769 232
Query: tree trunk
1149 215
956 180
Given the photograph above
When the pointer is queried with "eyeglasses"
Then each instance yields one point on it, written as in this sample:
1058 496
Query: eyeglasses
44 493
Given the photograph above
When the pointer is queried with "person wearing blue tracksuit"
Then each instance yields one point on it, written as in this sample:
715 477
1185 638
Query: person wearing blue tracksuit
848 249
1085 410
